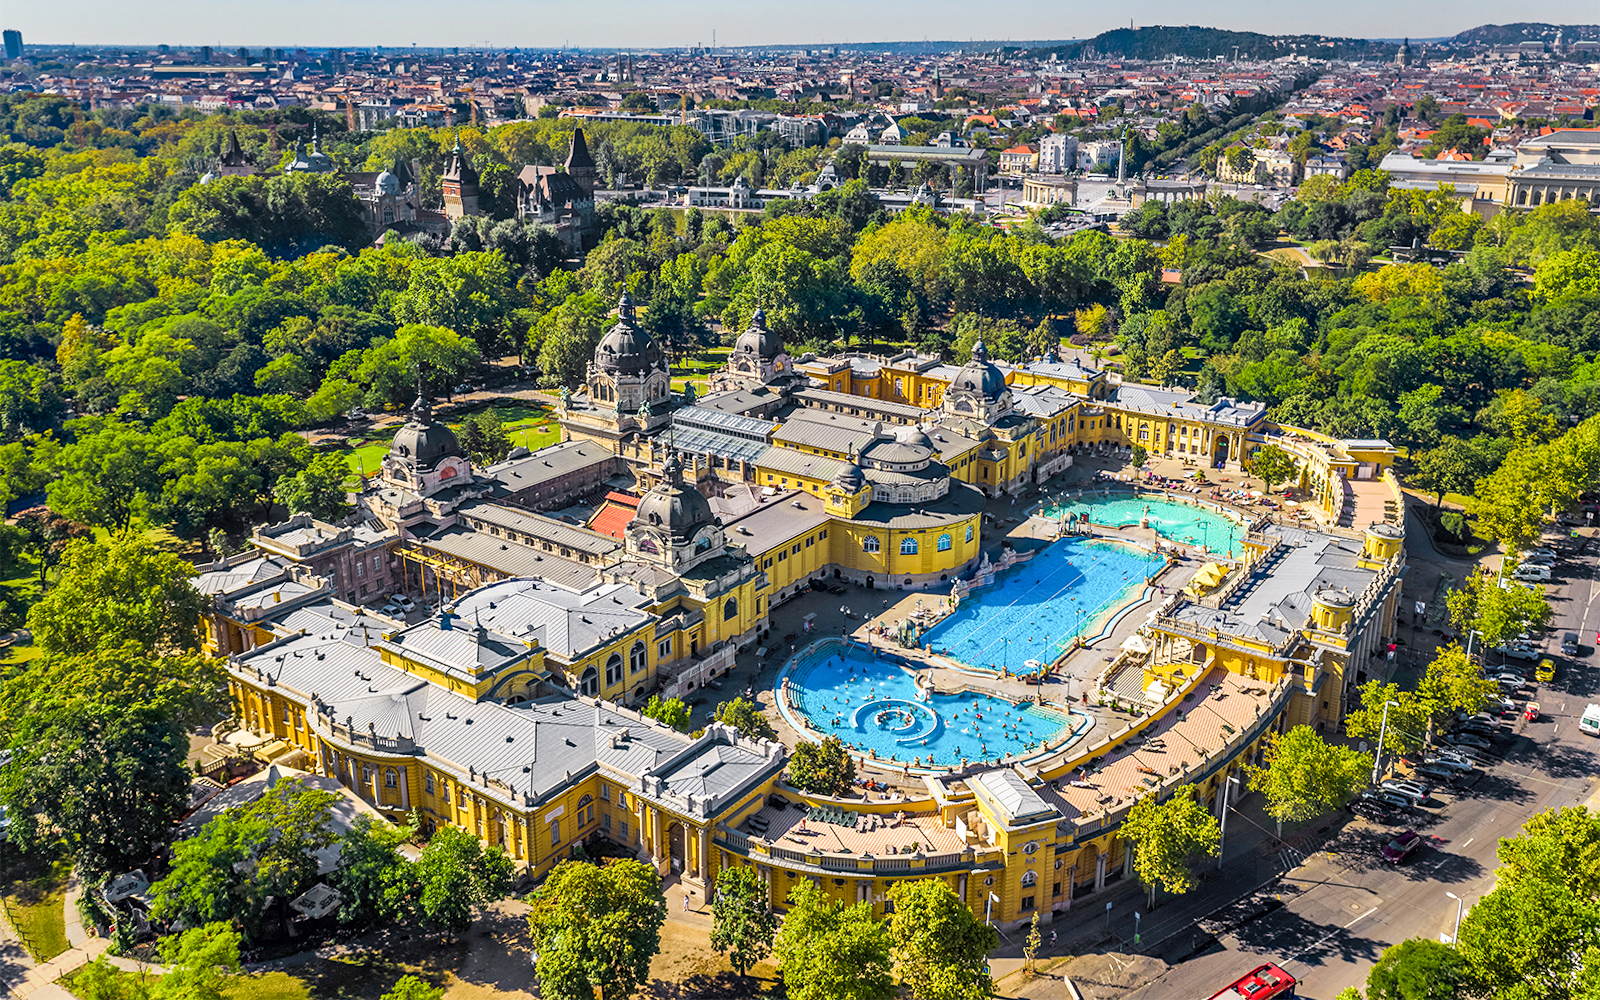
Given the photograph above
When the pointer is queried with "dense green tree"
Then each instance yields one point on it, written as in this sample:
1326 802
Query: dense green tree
1166 837
1303 776
455 876
249 856
375 882
830 951
1416 969
122 590
1273 465
746 718
742 922
595 928
111 778
825 767
941 949
318 489
671 711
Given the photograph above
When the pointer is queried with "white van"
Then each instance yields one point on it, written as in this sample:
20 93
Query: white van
1590 722
1531 571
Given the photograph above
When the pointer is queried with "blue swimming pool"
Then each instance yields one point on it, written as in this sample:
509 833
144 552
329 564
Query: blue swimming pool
1033 610
873 704
1173 521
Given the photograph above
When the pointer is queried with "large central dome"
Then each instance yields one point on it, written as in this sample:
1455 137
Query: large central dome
758 340
673 506
980 375
627 349
422 443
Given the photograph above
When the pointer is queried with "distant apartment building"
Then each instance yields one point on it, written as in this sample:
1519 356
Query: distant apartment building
13 44
1058 154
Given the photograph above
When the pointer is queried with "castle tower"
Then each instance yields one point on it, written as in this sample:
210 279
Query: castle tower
460 182
580 165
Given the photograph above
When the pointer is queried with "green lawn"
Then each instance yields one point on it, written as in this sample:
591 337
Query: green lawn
530 426
351 977
34 889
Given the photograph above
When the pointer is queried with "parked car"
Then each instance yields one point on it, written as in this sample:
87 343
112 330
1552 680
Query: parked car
1451 762
1569 644
1517 651
1378 812
1540 557
1393 800
1401 847
1437 772
1546 671
1488 730
1531 573
1467 740
1510 681
1417 793
403 602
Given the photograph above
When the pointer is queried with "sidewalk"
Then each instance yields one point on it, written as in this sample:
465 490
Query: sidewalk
1253 860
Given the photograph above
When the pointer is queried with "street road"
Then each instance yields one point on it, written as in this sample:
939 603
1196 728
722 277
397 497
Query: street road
1329 920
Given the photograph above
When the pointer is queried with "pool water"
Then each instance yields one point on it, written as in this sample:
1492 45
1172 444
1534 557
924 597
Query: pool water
873 704
1033 610
1173 521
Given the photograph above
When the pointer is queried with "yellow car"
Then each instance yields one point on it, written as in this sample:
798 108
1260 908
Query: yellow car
1546 672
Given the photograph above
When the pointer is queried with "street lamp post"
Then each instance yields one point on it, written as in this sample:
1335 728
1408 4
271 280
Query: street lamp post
1222 829
1455 937
1377 758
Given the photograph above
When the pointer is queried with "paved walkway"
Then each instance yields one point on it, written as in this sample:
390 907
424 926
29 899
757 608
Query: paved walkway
26 978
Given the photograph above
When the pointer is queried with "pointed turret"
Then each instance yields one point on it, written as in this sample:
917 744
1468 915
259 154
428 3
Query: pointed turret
580 165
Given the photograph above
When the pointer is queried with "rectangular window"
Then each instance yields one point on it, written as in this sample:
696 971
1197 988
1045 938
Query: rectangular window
810 541
795 550
823 533
605 792
1056 890
1027 902
622 799
605 822
622 829
428 783
782 556
555 832
361 571
664 649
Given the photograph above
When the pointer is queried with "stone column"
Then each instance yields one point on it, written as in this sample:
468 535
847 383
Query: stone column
1072 885
1099 872
705 859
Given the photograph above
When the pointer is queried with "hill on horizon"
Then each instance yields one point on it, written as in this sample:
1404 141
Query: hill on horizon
1525 31
1195 42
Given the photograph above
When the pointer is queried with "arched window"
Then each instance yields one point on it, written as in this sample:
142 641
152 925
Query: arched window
390 778
614 670
969 532
702 543
585 817
648 544
730 610
870 543
908 546
1029 878
590 684
944 543
637 658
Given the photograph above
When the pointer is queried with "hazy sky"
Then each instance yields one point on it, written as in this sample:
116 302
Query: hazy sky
647 23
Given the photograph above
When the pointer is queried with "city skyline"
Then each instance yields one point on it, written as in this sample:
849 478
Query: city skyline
627 23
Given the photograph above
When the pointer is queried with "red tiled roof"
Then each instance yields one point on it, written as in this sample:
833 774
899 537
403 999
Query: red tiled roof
613 517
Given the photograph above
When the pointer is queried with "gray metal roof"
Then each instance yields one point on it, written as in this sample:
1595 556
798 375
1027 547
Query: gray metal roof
510 558
1276 598
788 461
537 526
518 754
904 412
737 400
777 520
1165 403
516 474
1011 796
